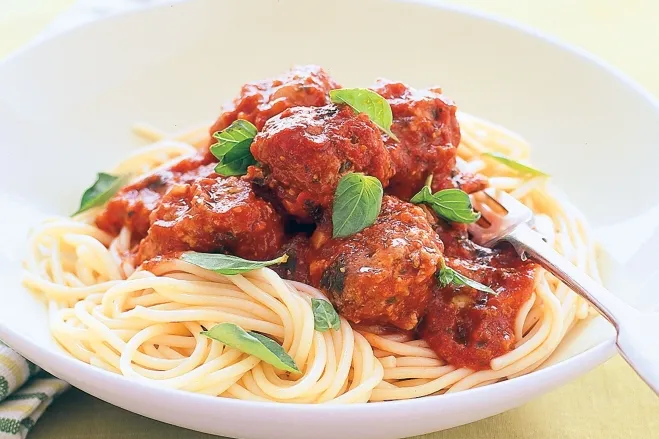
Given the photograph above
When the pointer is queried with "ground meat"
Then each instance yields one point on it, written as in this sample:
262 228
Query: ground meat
428 133
466 327
304 152
132 205
218 214
302 86
297 266
384 274
465 181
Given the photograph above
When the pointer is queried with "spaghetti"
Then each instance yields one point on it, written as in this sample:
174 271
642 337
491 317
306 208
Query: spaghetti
146 324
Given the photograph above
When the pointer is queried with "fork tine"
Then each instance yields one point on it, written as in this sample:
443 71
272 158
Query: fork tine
501 223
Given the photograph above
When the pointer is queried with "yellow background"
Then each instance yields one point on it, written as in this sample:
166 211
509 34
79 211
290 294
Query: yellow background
610 402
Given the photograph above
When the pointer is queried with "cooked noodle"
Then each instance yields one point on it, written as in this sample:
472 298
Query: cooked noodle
146 324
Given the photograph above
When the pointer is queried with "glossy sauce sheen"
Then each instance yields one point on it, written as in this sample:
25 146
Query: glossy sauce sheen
304 151
466 327
131 207
428 133
383 276
215 214
302 86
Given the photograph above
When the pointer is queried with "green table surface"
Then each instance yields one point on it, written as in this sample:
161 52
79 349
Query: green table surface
610 402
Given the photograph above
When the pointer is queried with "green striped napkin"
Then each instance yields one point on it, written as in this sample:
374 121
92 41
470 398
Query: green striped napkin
22 404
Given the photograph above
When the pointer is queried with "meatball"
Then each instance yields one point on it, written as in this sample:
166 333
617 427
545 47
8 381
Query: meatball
218 214
304 152
426 125
297 266
302 86
467 327
466 181
384 274
132 205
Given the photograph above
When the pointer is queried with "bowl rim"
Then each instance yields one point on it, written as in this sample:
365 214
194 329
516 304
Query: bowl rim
603 350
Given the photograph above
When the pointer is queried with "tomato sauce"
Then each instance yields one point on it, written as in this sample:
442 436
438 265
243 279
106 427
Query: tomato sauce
384 276
466 327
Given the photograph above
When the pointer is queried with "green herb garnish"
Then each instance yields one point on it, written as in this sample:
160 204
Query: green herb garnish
515 165
227 264
448 276
232 148
101 191
451 204
325 316
357 203
363 100
252 343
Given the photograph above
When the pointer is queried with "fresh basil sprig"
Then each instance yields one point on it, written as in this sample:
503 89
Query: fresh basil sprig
101 191
325 316
363 100
357 203
451 204
227 264
448 276
515 165
232 148
252 343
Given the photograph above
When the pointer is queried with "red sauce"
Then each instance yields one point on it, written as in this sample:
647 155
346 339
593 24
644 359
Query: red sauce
382 275
217 215
131 207
466 327
304 151
428 134
303 86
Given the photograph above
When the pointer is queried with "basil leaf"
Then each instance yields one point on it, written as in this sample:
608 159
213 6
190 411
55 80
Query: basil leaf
252 343
448 276
363 100
227 264
325 316
451 204
239 131
423 196
357 203
232 148
514 164
101 191
236 160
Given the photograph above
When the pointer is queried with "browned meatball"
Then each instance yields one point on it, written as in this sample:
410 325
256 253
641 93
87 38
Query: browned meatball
133 204
302 86
465 181
297 266
429 134
466 327
218 214
382 275
305 151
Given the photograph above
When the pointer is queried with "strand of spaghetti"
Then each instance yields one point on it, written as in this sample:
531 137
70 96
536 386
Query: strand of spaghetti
186 364
304 384
297 305
553 313
423 389
397 348
344 345
404 372
522 315
193 314
145 158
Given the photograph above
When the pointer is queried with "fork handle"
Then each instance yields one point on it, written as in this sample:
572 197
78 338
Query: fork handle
635 339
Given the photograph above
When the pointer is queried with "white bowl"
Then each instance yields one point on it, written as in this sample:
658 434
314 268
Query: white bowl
66 106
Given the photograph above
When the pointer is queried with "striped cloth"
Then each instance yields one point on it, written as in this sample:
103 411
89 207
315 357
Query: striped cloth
21 404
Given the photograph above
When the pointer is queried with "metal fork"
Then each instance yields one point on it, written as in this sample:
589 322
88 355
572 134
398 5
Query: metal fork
637 332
